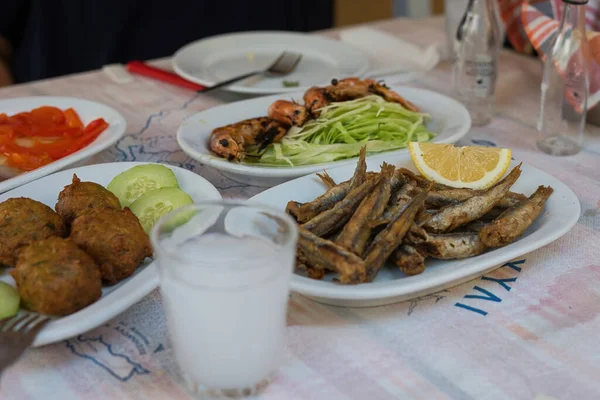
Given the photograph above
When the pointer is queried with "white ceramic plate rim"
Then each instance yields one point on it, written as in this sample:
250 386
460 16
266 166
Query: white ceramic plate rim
414 284
130 290
261 90
108 138
208 158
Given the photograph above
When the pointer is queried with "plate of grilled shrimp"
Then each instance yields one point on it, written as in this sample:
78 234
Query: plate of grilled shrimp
269 140
378 233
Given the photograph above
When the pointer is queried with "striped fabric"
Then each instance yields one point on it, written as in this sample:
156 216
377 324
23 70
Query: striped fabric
541 30
510 12
592 13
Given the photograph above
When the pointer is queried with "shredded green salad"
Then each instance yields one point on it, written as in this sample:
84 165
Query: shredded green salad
341 130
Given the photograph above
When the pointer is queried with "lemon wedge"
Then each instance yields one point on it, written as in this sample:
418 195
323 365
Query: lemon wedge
474 167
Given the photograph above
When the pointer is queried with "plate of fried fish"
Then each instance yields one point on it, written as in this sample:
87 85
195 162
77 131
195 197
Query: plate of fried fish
75 251
378 233
269 140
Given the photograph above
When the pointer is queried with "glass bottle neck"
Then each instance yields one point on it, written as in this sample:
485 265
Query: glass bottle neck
480 6
573 17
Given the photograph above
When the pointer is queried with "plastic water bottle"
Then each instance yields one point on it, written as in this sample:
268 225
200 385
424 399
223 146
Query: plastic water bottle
475 66
565 85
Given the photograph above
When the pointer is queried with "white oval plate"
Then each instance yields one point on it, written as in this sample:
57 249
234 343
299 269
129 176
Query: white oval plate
392 286
450 120
218 58
115 299
87 111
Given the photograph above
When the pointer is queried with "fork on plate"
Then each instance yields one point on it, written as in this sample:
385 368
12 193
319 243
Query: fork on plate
17 334
283 65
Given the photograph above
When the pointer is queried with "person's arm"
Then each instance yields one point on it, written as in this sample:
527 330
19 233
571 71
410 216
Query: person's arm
5 54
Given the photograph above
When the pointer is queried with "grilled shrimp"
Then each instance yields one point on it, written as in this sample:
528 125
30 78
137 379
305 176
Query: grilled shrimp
390 95
348 89
316 98
230 141
288 112
353 88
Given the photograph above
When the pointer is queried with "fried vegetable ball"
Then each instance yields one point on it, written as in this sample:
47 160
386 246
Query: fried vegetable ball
115 239
55 277
22 221
79 198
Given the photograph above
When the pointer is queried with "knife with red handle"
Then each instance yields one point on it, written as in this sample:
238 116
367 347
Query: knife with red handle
140 68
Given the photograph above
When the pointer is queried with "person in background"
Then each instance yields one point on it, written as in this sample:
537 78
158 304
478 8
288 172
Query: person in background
46 38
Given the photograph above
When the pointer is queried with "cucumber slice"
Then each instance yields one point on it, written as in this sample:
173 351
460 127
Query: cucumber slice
9 300
153 205
132 184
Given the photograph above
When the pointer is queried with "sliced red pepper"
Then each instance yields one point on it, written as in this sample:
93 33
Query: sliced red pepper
47 115
54 134
91 132
27 162
55 150
7 130
72 119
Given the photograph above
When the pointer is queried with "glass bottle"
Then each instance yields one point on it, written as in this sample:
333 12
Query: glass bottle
475 66
453 14
565 85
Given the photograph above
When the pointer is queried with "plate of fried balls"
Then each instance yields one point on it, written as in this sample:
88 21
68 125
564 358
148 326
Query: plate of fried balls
75 251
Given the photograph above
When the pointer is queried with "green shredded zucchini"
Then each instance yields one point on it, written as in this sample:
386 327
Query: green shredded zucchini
341 130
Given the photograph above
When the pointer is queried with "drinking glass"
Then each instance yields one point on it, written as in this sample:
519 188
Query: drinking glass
225 269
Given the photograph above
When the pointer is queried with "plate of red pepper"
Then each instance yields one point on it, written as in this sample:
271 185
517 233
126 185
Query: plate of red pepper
42 135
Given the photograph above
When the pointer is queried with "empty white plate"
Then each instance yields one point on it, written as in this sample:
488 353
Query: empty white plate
218 58
87 111
450 120
115 299
391 285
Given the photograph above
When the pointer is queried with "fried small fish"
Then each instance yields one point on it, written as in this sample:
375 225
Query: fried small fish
360 172
305 212
293 208
452 246
398 199
318 251
386 241
326 179
511 199
453 216
410 260
356 233
331 197
444 197
398 180
512 223
333 219
312 272
421 181
475 226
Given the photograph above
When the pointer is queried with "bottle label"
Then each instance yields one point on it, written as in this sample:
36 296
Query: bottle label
481 76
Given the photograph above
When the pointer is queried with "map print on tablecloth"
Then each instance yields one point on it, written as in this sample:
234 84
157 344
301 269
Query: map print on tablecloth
483 295
132 345
101 353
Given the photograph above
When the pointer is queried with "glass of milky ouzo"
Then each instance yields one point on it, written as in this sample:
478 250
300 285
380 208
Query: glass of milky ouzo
225 269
